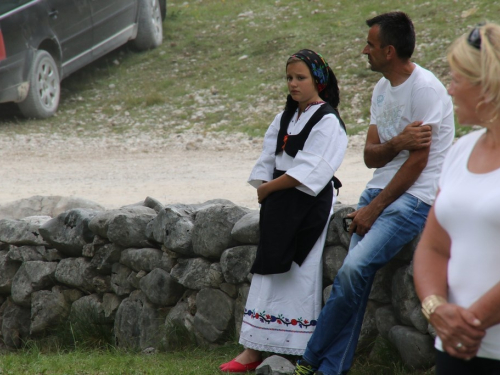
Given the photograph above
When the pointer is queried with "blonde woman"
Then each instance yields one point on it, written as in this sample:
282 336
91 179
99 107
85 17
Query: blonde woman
457 262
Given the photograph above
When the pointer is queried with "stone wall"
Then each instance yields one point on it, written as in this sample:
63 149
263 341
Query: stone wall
145 267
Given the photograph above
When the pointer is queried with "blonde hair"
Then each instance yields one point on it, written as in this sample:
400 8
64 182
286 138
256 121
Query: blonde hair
480 66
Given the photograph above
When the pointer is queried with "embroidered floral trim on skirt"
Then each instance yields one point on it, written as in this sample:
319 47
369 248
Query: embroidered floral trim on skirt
281 310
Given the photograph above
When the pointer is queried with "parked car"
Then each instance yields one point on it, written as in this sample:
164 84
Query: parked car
44 41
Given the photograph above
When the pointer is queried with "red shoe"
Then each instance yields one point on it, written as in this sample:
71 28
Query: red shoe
234 366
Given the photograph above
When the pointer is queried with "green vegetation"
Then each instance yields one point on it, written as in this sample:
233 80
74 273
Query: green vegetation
36 359
221 67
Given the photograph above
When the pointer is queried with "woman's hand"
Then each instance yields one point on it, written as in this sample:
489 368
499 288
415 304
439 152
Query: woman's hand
263 191
281 183
458 330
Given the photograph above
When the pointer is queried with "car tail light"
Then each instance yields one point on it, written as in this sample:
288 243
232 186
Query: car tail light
3 55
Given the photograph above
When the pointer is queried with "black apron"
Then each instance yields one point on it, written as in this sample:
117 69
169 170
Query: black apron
291 221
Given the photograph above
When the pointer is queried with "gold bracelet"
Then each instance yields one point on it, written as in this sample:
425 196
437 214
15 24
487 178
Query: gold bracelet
431 303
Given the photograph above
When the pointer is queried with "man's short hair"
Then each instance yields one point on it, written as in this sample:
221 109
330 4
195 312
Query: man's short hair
396 29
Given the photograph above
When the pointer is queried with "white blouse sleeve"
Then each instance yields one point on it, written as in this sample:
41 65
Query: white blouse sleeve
264 167
321 156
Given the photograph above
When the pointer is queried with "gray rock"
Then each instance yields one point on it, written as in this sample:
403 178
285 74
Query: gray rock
214 315
23 231
141 259
8 269
76 272
180 316
230 289
212 229
50 255
246 230
211 203
332 236
89 250
173 227
44 206
153 203
178 325
138 324
167 261
326 293
418 320
160 288
87 309
127 329
31 277
236 263
275 365
105 257
197 273
69 231
369 327
333 258
100 223
101 283
110 304
385 320
337 223
120 283
87 319
135 278
15 324
26 253
404 296
152 327
239 306
48 309
148 202
416 349
125 227
382 284
406 253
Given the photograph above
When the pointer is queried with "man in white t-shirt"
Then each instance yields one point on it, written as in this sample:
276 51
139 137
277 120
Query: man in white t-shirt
411 129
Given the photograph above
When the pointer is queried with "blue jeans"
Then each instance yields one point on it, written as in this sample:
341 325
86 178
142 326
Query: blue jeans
333 343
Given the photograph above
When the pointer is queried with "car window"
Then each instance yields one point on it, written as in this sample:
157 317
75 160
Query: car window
9 5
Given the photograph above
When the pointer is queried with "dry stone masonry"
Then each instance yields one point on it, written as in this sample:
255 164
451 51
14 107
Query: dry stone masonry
146 267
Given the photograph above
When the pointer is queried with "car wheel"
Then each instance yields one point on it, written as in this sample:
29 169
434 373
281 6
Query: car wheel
150 28
44 88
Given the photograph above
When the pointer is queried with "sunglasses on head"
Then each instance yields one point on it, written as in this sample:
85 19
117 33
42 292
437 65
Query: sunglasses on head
474 38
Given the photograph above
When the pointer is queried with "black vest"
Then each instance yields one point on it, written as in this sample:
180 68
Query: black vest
291 144
291 221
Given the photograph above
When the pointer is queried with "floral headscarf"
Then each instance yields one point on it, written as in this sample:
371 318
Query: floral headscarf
317 65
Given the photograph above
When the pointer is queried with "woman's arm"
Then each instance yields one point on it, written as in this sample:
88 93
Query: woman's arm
487 307
281 183
454 325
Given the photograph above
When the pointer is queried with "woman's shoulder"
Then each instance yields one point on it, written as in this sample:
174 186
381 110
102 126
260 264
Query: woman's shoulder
468 139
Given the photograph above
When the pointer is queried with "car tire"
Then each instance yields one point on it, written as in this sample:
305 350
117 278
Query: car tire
44 87
150 27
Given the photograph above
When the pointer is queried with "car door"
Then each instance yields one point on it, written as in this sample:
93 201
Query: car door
71 22
113 23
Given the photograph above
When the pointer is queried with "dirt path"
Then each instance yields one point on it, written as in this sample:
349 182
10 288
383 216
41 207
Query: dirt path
114 174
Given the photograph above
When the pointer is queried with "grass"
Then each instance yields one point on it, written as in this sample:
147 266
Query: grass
35 360
221 66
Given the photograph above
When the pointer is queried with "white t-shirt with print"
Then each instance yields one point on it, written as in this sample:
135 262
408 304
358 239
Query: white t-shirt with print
422 97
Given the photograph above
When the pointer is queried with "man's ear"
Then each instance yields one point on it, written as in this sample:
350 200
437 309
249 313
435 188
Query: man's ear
390 52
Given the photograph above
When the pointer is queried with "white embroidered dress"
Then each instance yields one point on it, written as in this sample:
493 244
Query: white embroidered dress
281 310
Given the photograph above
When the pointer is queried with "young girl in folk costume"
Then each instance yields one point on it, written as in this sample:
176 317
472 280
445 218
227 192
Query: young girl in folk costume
294 177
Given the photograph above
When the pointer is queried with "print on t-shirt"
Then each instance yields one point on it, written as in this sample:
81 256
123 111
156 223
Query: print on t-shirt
388 120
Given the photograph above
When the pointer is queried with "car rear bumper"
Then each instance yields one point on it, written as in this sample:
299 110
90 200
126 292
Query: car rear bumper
14 77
